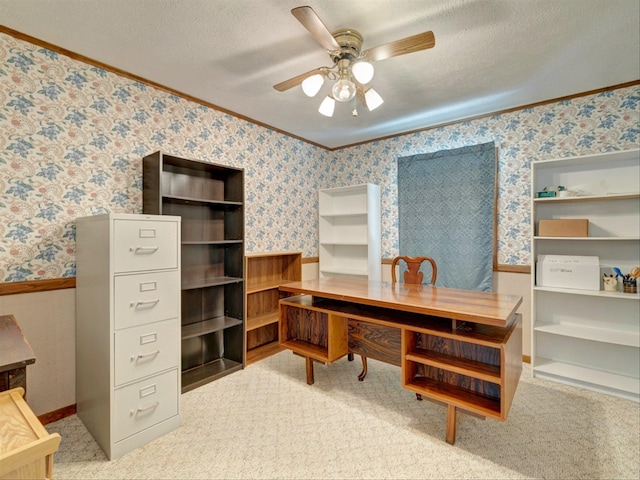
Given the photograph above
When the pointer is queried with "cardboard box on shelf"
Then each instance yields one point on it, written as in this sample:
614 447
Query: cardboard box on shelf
568 271
568 227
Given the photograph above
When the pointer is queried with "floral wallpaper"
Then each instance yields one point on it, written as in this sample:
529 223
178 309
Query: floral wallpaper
72 137
580 126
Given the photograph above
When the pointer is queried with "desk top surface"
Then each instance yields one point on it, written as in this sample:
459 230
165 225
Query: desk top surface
466 305
15 351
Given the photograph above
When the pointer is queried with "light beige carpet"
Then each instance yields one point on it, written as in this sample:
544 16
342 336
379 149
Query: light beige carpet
266 422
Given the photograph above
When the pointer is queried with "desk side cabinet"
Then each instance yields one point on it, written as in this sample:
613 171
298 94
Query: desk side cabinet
128 328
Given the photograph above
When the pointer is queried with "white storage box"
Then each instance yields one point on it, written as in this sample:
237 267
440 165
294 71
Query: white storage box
568 271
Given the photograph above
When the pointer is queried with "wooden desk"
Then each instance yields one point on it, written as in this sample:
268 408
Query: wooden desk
459 347
15 355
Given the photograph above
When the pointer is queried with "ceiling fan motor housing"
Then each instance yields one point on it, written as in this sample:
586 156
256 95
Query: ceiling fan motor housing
350 42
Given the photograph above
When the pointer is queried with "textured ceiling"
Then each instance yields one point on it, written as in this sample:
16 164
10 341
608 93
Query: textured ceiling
490 55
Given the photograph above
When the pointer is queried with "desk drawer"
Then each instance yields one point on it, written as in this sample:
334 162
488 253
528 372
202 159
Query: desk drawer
146 298
144 245
375 341
145 403
145 350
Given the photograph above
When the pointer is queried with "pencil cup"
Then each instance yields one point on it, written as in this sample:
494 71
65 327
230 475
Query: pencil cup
629 286
610 284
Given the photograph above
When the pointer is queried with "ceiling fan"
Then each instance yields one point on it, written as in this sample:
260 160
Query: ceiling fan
352 69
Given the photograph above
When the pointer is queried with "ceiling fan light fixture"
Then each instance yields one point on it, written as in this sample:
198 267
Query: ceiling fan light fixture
373 99
327 106
363 71
343 90
312 85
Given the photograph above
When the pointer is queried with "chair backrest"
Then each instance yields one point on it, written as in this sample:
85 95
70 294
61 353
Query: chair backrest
413 275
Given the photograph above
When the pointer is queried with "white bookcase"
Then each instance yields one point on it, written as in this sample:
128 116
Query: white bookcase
581 337
350 231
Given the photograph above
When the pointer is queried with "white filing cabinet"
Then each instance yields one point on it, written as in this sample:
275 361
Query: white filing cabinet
128 328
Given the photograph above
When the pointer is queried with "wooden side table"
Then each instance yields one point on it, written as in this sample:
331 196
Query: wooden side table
15 355
26 448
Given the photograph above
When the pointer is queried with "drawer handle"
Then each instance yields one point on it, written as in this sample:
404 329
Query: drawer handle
147 303
142 356
147 250
135 412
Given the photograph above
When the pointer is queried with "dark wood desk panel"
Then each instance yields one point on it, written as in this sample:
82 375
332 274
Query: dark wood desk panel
15 354
462 348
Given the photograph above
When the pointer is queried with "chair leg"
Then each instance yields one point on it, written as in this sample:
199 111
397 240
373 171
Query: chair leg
364 368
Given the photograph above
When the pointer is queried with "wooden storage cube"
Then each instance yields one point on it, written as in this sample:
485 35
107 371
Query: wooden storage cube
26 448
308 326
312 333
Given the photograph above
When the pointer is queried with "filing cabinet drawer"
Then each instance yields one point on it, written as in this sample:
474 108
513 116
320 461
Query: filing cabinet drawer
147 245
145 298
145 350
145 403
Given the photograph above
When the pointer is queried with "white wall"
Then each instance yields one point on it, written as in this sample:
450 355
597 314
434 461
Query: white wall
48 322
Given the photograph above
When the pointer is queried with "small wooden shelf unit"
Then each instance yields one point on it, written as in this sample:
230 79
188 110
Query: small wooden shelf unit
265 272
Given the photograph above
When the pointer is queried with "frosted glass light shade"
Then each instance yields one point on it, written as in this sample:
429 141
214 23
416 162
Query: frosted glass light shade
363 71
327 106
311 85
373 99
343 90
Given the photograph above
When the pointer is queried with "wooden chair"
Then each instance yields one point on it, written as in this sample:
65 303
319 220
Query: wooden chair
412 276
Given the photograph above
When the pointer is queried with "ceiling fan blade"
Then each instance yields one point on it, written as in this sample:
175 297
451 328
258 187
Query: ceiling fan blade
415 43
297 80
310 20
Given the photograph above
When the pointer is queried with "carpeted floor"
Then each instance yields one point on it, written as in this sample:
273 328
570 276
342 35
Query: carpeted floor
266 422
